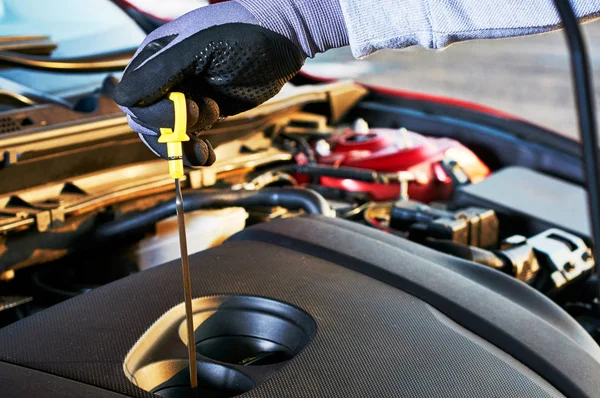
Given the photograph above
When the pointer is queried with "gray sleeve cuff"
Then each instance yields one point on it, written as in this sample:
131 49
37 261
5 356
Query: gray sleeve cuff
378 24
315 26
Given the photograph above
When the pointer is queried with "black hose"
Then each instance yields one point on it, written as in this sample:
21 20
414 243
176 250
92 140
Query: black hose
290 198
584 96
338 172
304 147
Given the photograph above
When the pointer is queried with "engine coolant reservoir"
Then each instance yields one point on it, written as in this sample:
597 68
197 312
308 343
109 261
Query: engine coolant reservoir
205 229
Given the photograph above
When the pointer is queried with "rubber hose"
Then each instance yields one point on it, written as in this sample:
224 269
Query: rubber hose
289 198
304 147
338 172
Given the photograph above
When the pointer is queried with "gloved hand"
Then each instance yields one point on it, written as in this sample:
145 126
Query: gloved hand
227 58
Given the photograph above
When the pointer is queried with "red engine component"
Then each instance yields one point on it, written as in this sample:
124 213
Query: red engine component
387 150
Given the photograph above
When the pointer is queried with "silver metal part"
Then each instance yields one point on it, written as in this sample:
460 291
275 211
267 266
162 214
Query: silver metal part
406 139
187 284
403 190
323 148
360 126
565 255
406 177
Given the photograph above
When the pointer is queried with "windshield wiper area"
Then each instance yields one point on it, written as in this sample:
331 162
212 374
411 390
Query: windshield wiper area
29 96
107 62
50 112
41 45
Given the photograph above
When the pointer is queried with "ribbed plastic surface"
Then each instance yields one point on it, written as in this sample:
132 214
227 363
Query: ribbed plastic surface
372 341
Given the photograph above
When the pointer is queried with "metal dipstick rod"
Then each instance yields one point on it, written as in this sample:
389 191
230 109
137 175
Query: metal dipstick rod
173 138
187 283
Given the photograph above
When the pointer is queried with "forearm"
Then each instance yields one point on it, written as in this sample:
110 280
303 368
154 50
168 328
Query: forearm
378 24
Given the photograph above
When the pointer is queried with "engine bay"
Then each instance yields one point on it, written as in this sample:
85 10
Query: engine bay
83 203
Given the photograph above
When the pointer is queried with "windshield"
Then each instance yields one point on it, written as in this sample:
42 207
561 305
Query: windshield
77 27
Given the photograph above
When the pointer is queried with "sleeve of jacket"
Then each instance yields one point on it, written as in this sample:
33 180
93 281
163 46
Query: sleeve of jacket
378 24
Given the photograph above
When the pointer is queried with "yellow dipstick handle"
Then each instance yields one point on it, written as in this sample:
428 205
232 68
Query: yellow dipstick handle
174 137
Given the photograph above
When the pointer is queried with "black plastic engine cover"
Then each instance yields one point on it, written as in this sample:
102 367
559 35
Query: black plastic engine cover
394 319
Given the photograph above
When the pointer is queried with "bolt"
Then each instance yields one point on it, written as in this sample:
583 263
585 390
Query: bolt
360 126
569 266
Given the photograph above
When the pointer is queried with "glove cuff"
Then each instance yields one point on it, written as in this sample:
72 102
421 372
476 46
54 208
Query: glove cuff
314 25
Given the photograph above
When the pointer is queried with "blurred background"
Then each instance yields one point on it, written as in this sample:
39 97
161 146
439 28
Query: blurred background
528 76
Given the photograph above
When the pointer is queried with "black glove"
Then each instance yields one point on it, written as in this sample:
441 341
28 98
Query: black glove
220 58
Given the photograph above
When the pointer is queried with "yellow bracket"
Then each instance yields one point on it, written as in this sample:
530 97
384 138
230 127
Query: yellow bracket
174 137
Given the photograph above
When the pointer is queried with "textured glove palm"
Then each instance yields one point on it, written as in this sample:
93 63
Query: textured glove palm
219 54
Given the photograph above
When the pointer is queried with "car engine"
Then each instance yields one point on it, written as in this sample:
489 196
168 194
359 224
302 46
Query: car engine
347 242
